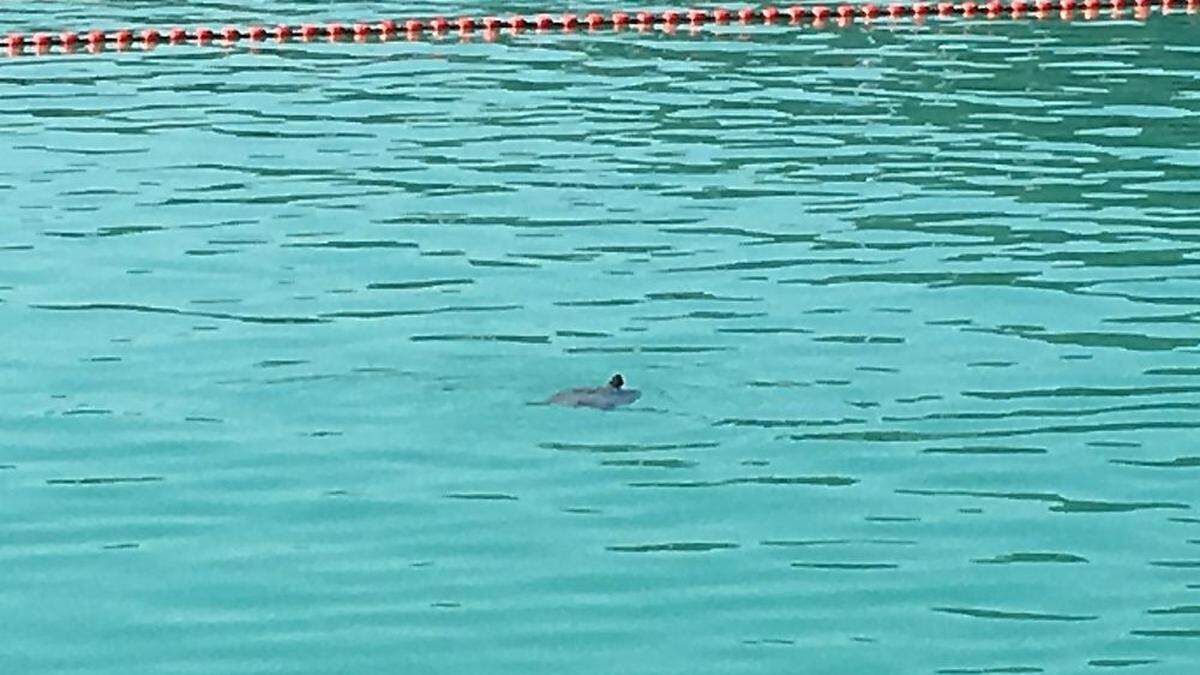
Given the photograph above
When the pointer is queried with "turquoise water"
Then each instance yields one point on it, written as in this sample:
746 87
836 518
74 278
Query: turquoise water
914 312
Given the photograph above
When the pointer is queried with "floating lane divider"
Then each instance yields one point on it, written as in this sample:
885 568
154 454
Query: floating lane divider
841 15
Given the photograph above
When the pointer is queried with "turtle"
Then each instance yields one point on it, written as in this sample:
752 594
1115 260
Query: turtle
604 397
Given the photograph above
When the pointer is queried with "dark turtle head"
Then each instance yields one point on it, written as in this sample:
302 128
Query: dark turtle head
617 381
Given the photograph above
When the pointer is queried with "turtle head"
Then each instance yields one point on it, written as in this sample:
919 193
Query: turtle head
617 381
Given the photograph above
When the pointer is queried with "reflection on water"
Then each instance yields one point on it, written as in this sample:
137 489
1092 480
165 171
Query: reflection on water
913 310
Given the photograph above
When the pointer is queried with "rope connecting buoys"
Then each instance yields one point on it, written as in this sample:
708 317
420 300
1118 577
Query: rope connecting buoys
668 20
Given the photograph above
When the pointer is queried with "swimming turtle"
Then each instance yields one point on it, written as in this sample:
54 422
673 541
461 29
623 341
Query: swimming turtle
605 397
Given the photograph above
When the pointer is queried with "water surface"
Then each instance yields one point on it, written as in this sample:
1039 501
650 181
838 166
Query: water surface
913 309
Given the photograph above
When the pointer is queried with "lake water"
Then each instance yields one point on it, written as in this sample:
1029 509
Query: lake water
915 311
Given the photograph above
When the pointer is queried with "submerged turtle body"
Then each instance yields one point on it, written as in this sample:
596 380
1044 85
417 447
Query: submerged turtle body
604 397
